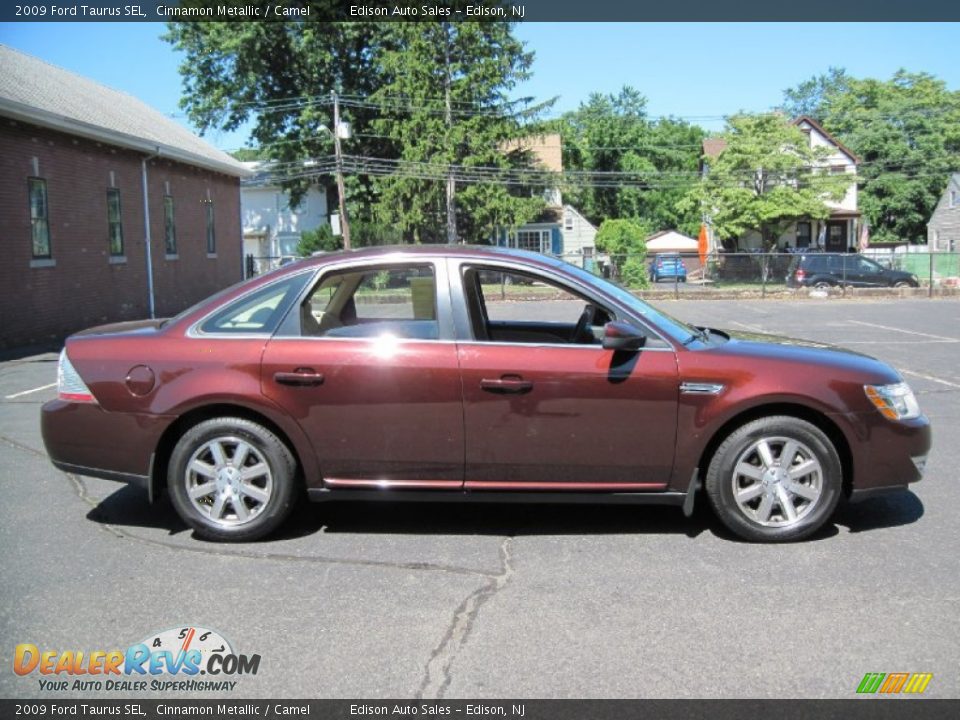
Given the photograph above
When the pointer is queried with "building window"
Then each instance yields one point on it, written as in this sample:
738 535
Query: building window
803 234
568 220
114 223
838 169
169 227
39 221
953 198
532 240
211 234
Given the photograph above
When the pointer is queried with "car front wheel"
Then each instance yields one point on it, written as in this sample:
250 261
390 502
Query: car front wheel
775 479
232 479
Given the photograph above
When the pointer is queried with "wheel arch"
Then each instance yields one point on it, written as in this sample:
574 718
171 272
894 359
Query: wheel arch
197 415
802 412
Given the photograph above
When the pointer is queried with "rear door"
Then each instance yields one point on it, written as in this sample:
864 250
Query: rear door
545 406
368 367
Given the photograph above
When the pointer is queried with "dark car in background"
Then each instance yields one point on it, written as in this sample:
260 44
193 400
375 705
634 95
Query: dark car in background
397 374
826 270
669 266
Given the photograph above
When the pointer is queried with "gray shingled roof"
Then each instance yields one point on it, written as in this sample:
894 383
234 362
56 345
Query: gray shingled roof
37 92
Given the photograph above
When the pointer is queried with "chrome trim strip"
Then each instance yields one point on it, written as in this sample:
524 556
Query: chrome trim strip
701 388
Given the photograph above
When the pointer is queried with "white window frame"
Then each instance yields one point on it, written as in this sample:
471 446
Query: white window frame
545 240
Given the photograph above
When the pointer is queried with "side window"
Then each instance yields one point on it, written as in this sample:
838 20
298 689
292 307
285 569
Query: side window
259 312
513 307
395 301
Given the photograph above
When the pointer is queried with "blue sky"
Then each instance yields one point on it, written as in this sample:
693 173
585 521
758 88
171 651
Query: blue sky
684 69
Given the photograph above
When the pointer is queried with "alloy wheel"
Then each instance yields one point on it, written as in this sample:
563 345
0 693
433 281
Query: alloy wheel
228 481
777 481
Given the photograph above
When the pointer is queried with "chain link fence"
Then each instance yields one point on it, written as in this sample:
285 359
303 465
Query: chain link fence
881 272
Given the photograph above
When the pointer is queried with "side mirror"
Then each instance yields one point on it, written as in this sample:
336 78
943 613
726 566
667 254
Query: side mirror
622 336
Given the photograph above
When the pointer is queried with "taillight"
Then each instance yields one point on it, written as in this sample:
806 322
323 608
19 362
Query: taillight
70 385
800 275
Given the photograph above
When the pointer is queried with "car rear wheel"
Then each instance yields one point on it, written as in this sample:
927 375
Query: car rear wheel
902 284
822 285
232 479
775 479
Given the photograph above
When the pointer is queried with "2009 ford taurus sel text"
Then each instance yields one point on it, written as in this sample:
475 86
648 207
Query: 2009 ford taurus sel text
440 373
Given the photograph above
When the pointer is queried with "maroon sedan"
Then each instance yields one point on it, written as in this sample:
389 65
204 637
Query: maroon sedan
473 374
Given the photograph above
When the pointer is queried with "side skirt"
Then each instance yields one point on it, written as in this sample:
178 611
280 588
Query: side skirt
482 496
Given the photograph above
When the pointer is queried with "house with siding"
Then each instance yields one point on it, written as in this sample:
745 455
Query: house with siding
838 233
272 224
111 211
560 229
943 230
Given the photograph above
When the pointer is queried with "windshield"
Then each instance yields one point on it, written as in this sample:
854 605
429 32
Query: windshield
679 331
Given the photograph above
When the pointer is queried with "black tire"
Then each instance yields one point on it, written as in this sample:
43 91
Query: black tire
736 451
903 284
822 285
271 486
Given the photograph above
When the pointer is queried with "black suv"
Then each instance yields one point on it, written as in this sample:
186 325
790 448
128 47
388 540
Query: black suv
825 270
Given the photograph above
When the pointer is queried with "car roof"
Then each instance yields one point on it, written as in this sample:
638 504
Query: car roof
477 252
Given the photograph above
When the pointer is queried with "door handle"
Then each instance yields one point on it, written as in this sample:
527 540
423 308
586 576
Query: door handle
300 377
507 384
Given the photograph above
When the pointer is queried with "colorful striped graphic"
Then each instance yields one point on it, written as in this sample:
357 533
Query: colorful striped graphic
894 683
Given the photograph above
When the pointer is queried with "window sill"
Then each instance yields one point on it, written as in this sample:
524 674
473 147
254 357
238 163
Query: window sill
170 256
43 263
118 260
212 256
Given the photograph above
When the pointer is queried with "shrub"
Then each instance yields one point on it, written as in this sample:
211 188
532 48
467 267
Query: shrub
634 273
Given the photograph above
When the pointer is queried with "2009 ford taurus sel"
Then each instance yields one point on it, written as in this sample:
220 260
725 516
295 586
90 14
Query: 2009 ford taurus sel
436 373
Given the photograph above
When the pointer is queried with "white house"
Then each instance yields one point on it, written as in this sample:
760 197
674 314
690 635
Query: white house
943 230
840 231
560 229
271 227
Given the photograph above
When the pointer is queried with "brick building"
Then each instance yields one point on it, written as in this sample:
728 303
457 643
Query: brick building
77 161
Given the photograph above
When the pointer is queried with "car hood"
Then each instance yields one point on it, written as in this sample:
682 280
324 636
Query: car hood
807 353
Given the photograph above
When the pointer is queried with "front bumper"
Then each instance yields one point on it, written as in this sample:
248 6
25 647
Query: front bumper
887 455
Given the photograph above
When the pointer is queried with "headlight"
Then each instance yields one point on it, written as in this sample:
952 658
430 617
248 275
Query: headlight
895 402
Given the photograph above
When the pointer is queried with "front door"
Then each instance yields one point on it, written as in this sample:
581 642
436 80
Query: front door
836 236
545 406
371 378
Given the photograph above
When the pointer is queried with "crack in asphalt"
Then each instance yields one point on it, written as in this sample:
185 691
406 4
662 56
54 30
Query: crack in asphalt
437 672
80 489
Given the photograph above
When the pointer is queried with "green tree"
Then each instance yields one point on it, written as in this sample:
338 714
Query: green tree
767 177
445 85
625 242
613 133
809 97
906 133
320 239
277 77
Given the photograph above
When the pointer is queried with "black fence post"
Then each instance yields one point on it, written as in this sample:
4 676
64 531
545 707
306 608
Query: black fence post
930 288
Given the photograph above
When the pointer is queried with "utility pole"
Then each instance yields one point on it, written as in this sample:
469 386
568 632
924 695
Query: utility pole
341 190
451 182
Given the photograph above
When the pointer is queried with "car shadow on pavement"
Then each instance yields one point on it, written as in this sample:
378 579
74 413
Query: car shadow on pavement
896 509
128 508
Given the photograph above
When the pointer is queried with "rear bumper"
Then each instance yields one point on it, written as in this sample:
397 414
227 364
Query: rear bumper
85 439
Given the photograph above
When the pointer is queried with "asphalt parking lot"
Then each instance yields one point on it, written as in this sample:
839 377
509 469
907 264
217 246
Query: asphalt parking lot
489 601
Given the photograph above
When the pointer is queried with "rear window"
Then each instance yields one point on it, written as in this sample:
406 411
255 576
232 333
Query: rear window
260 311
